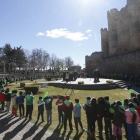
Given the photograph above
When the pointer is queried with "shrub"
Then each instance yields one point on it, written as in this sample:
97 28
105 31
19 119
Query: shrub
109 81
33 88
48 78
80 82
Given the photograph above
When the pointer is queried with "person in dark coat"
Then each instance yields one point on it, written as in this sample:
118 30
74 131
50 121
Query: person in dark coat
91 113
41 109
107 118
118 118
20 101
100 115
48 105
8 99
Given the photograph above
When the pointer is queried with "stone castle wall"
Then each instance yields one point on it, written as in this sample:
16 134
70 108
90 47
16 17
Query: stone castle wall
120 42
123 29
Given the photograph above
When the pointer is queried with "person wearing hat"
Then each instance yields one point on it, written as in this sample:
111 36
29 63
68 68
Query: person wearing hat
67 109
132 120
8 99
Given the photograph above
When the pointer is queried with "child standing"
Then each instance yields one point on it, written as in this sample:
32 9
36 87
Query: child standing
48 104
60 112
8 99
41 108
2 99
107 118
118 118
132 120
77 115
20 100
85 107
14 103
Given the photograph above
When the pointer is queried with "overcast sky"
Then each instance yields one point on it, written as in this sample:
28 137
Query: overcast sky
63 27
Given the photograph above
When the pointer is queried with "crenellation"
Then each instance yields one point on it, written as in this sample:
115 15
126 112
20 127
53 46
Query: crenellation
120 43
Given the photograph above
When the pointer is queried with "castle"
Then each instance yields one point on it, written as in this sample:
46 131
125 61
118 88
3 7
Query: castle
120 43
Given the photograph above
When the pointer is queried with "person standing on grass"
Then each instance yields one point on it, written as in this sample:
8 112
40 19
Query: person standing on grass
118 118
48 105
77 115
8 99
14 103
67 109
132 120
107 118
29 104
92 116
60 112
85 107
100 115
2 99
20 100
41 109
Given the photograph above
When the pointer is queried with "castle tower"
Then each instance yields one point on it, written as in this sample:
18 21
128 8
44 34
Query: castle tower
112 27
134 29
104 42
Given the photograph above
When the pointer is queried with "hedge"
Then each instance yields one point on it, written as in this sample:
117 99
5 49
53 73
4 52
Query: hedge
48 78
33 88
80 82
111 76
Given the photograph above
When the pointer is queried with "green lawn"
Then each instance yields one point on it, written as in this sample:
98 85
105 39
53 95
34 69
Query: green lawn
116 94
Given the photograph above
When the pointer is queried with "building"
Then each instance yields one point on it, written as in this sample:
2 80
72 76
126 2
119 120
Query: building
120 43
75 68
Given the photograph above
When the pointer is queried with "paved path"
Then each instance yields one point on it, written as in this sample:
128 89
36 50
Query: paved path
14 128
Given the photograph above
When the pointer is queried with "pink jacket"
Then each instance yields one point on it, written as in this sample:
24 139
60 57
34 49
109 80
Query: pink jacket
129 116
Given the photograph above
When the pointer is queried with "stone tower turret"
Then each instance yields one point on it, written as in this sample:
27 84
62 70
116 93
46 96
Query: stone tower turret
112 27
104 42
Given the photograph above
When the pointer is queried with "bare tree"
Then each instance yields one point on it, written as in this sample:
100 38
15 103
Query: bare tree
68 62
39 59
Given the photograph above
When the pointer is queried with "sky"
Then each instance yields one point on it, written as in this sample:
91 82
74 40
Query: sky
61 27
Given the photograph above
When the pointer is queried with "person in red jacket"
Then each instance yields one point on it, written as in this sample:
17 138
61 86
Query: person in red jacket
2 99
136 105
60 102
67 109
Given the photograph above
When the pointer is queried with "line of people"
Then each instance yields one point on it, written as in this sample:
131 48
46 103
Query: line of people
126 113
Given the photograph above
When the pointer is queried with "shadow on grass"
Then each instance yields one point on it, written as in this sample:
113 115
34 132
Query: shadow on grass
56 133
39 135
77 136
4 123
31 131
15 131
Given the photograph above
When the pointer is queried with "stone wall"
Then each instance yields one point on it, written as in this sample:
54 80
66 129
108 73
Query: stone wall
93 62
123 29
122 63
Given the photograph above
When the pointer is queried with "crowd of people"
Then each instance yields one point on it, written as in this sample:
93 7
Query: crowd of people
121 114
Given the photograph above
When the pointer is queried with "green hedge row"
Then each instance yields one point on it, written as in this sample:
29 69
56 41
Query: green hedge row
111 76
33 88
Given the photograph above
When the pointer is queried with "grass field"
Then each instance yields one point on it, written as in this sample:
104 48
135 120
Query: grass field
116 94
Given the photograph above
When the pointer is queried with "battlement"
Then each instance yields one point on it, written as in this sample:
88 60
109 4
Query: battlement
112 13
103 30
